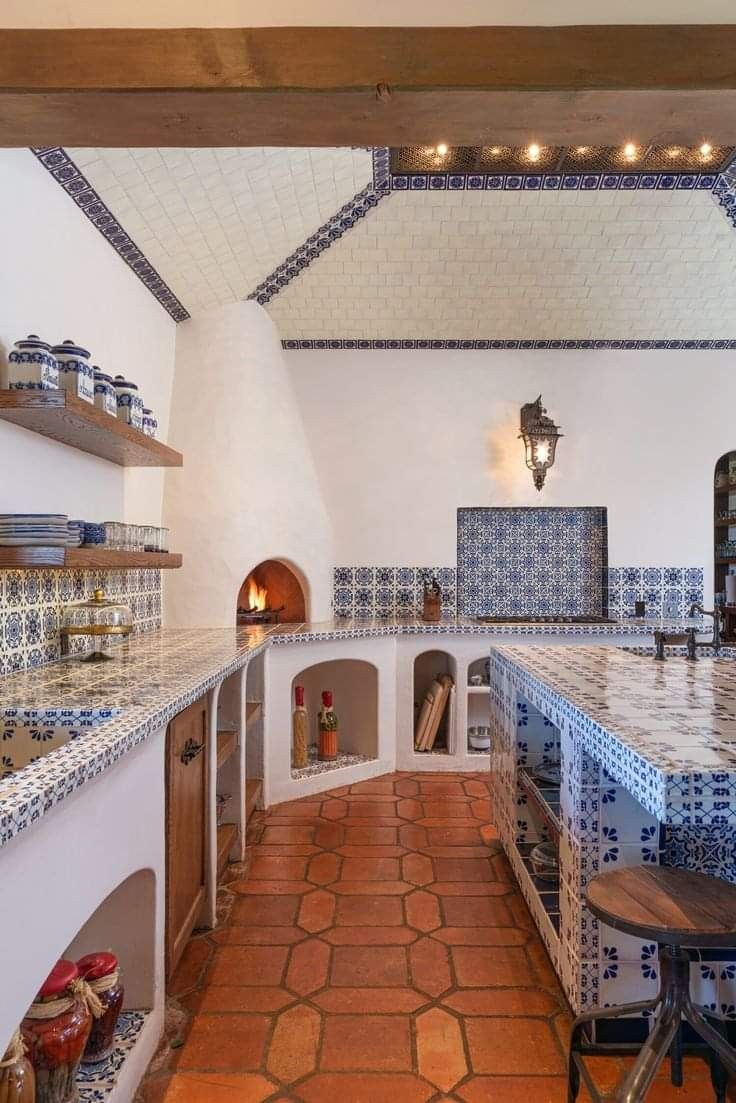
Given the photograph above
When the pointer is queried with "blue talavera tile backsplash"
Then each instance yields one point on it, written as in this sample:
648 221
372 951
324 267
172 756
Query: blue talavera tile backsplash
370 592
540 561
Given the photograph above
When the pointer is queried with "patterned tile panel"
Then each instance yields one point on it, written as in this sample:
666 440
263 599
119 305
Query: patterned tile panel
31 604
466 344
540 561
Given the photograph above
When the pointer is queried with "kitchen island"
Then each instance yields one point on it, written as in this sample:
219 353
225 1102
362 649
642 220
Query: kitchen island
648 775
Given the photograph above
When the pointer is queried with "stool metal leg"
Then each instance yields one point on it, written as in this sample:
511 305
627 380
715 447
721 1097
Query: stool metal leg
599 1014
709 1034
653 1052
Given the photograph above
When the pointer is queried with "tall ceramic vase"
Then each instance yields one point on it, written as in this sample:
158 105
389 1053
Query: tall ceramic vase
327 729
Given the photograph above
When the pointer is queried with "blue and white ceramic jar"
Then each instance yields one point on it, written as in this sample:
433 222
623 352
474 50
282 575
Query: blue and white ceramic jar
32 366
76 374
105 397
130 403
150 424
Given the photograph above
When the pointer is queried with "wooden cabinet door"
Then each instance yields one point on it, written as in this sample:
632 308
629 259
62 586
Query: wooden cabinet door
186 826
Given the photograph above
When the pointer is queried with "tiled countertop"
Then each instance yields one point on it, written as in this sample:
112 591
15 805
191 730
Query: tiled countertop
664 730
157 674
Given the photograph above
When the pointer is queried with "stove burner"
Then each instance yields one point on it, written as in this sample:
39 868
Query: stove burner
552 618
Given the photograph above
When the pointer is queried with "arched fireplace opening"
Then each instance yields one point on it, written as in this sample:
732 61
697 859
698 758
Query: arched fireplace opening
273 593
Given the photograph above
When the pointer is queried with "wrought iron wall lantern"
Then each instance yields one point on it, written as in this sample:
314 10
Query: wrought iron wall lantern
540 436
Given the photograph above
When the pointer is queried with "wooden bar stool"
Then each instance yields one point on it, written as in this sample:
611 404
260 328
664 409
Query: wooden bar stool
674 908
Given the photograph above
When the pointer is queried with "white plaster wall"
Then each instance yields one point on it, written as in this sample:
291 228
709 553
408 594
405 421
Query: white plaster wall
60 278
248 490
398 13
401 439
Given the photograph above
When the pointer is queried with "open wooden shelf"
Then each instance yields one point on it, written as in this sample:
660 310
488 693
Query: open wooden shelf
62 416
253 790
29 557
227 742
226 835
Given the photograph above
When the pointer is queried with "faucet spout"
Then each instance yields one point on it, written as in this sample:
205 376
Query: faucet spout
717 615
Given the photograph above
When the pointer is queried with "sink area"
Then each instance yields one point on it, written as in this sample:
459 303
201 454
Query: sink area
28 734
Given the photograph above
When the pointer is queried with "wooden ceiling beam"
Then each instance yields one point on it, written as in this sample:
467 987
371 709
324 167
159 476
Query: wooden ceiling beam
336 86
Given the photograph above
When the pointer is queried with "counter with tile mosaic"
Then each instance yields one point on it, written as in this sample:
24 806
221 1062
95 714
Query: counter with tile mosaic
648 775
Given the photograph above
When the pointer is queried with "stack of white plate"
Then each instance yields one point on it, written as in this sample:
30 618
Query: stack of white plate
49 529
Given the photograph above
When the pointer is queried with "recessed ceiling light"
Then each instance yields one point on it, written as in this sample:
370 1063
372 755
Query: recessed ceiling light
581 149
674 151
533 152
495 150
442 149
630 151
706 149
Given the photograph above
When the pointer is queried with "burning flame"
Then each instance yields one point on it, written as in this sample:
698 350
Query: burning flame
257 596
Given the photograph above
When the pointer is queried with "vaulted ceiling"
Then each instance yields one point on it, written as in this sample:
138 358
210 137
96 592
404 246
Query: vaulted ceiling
336 248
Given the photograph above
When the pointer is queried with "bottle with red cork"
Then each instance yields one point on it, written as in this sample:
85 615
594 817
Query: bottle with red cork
327 728
102 973
55 1031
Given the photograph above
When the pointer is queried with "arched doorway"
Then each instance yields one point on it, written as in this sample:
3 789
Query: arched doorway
272 593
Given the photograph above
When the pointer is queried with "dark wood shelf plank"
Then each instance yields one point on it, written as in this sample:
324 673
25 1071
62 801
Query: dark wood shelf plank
227 742
29 557
63 417
253 710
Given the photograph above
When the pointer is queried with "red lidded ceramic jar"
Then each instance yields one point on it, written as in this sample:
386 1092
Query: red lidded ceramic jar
55 1031
102 973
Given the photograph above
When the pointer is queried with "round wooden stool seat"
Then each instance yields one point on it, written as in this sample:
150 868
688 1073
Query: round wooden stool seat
674 907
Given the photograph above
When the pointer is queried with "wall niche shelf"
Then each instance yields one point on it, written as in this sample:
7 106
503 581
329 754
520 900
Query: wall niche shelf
30 558
65 418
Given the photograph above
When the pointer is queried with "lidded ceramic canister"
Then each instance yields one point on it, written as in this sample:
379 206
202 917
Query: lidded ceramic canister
150 424
130 403
105 397
55 1030
102 973
32 366
76 374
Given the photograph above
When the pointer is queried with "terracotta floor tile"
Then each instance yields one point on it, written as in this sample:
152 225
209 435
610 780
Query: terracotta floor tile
368 888
466 911
299 808
463 869
440 1050
482 936
362 911
334 809
280 835
446 810
329 835
515 1089
406 787
213 1087
489 833
287 850
370 869
412 836
453 836
430 966
317 911
371 836
226 998
324 868
471 888
503 966
371 1043
366 1000
418 869
257 936
369 966
191 967
308 966
261 911
422 911
370 809
234 965
457 852
277 869
270 888
293 1049
443 789
384 788
350 851
369 936
501 1001
224 1043
476 789
481 809
409 809
507 1046
365 1088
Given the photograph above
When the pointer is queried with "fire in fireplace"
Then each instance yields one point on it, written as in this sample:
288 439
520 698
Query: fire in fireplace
272 593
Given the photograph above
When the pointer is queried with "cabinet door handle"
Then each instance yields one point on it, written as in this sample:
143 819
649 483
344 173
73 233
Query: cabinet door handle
191 750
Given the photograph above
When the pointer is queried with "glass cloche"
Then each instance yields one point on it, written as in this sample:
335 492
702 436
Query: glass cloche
97 617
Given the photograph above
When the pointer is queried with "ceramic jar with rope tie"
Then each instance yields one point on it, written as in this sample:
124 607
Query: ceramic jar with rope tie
55 1030
102 973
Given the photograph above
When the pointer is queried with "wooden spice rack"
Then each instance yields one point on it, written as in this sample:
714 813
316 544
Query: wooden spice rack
63 417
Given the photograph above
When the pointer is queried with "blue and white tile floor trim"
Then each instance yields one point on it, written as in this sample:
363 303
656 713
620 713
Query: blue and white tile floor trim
633 792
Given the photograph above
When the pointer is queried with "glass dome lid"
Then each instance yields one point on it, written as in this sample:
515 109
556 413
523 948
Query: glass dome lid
97 617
